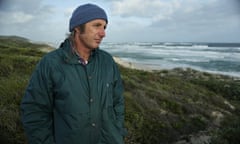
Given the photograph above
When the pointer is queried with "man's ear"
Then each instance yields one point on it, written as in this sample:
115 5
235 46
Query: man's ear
76 30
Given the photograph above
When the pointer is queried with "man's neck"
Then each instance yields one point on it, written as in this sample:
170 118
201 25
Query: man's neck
84 54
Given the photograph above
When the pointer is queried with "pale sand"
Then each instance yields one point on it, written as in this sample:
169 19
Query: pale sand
131 65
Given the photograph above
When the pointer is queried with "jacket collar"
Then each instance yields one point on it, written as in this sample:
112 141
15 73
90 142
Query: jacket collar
70 56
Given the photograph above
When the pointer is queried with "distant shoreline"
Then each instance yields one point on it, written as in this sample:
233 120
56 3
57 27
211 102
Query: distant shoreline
132 65
143 67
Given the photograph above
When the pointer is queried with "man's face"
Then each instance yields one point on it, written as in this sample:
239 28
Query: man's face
93 34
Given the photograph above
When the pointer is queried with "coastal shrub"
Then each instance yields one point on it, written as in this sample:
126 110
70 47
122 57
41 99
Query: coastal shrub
15 69
155 131
9 50
226 88
33 52
22 51
180 104
5 69
23 64
229 132
11 91
17 63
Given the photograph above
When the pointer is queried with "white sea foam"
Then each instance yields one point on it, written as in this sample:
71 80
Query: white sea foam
215 58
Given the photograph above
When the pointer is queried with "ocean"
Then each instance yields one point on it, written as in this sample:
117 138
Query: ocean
221 58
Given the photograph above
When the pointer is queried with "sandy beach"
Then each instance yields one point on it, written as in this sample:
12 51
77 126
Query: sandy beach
132 65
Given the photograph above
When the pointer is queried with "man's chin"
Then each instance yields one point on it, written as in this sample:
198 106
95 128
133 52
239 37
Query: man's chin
96 45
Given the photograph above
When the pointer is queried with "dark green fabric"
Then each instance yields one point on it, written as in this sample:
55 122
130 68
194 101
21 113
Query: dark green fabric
69 103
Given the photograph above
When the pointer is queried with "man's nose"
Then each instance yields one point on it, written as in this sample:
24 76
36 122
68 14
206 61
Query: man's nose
102 32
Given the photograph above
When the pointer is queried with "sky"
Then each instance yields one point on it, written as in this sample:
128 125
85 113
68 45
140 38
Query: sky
129 20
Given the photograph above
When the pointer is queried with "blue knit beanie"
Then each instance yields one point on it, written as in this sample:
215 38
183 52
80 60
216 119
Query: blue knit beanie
85 13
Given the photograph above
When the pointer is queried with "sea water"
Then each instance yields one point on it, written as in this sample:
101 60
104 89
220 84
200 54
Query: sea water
222 58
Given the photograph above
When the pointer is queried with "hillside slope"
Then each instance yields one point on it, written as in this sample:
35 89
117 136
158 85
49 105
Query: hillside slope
180 106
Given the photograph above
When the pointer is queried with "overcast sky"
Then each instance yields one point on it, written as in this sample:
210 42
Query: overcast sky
129 20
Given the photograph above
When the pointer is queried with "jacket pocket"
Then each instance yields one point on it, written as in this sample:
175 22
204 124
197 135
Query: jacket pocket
111 132
71 128
75 136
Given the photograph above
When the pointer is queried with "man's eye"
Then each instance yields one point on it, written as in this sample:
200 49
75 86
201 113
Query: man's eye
100 26
97 25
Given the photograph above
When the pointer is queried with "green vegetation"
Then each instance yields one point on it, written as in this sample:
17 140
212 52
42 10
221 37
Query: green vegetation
18 57
161 106
175 105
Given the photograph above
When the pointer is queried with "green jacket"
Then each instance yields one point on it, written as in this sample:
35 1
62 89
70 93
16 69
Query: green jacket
70 103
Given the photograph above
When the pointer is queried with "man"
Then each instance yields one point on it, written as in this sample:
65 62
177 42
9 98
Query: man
75 95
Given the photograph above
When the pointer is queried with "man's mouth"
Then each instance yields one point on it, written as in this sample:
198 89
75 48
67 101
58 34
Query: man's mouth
98 41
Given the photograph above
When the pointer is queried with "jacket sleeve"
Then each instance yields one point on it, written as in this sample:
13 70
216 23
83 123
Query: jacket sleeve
37 107
118 100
